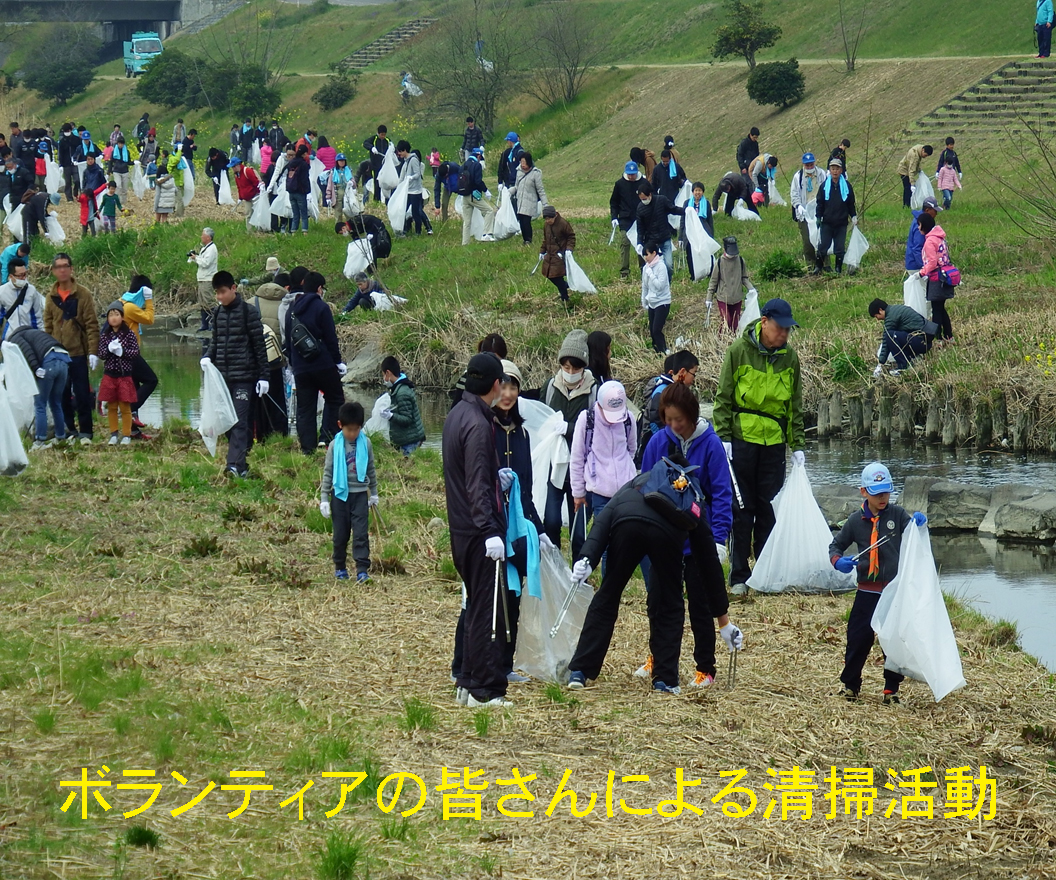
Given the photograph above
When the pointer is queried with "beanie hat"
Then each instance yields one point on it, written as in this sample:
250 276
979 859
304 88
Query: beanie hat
549 211
116 306
575 345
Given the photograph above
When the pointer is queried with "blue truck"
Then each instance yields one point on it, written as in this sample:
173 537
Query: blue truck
140 51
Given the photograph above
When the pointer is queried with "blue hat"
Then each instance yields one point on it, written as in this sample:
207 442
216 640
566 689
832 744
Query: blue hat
808 157
478 151
630 168
234 161
876 479
340 157
85 136
779 311
512 136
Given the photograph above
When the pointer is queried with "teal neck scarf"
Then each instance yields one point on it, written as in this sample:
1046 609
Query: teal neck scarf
519 526
341 464
843 188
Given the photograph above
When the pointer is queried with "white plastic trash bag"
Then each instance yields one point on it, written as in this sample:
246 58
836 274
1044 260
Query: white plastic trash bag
260 216
254 154
388 176
13 458
376 424
856 249
14 223
225 199
21 385
281 206
52 176
188 187
80 172
538 655
577 279
775 195
506 223
632 235
684 195
139 180
53 230
912 622
353 204
923 190
702 246
749 313
386 302
550 456
476 222
796 555
742 212
459 205
358 256
218 409
397 206
914 293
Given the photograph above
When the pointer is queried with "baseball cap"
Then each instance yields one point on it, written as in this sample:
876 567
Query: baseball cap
483 371
477 151
512 136
340 157
779 311
876 479
234 161
930 202
729 245
613 401
835 160
630 168
808 158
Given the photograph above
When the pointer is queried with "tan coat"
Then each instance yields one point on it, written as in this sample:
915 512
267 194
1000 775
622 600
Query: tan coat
79 335
558 237
910 164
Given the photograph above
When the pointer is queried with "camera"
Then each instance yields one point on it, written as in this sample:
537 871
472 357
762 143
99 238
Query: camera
191 254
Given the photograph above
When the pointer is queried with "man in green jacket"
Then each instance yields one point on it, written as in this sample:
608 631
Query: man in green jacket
406 431
758 410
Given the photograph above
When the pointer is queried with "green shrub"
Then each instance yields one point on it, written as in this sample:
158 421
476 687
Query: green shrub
781 264
338 89
779 82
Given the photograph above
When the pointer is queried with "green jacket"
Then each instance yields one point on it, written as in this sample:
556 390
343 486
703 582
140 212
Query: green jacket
754 378
405 426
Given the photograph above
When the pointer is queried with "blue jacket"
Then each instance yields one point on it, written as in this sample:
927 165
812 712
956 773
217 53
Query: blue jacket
707 453
312 311
476 176
1044 12
94 178
915 246
6 256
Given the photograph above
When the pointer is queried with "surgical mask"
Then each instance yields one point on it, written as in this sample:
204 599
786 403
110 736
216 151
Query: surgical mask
386 383
647 201
571 378
19 283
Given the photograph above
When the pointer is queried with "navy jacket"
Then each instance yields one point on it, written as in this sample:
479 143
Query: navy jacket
664 183
94 178
312 311
915 246
515 451
476 176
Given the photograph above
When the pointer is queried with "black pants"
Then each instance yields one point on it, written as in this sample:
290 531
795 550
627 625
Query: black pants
860 638
906 346
240 438
146 381
701 615
78 394
834 236
309 386
513 604
577 522
561 283
629 542
72 181
526 227
269 412
657 320
416 202
1044 40
938 309
351 519
760 472
482 671
907 190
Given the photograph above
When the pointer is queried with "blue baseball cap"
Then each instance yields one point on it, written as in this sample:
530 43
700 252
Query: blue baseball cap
340 157
477 151
779 311
630 168
808 158
876 479
234 161
85 136
512 136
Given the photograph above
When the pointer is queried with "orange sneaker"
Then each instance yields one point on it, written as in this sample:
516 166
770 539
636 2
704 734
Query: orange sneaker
702 680
646 669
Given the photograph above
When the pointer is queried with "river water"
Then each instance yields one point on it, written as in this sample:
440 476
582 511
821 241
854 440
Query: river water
1016 582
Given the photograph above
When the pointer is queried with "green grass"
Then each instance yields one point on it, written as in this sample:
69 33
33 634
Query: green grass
417 715
343 859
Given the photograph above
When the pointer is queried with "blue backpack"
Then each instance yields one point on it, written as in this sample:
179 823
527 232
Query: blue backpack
674 492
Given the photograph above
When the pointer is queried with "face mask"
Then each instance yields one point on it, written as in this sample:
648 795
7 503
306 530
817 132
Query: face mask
571 378
647 201
19 283
386 383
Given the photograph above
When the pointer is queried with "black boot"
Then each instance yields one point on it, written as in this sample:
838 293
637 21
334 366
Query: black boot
839 265
818 265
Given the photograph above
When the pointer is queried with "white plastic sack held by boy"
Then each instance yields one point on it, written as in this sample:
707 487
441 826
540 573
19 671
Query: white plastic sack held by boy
218 410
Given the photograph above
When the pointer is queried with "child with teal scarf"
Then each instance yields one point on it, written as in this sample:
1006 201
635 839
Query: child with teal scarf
348 490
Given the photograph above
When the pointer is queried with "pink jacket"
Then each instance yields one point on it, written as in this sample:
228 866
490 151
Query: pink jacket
265 158
326 155
948 178
930 253
609 463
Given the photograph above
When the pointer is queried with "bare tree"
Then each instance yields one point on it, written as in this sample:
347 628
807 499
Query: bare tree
261 47
476 61
566 47
1032 180
852 36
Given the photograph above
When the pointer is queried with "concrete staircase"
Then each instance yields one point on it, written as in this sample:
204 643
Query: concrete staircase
385 44
1018 93
201 24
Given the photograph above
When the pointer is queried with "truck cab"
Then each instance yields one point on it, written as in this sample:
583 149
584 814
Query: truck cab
143 47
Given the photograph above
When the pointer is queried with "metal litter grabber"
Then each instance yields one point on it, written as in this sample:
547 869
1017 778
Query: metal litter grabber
612 237
872 546
378 523
707 317
538 263
564 608
731 671
736 485
500 587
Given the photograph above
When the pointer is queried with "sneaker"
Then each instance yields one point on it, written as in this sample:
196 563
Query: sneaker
662 688
113 439
126 441
702 680
429 232
516 678
891 698
362 578
646 669
230 471
577 681
341 574
136 423
893 373
41 444
494 703
739 590
849 694
139 435
461 696
487 237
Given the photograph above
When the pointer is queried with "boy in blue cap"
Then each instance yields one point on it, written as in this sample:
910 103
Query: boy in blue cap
877 531
623 210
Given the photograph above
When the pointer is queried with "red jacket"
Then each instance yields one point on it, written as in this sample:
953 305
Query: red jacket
248 183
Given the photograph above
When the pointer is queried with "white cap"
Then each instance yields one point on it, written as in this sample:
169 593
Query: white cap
612 398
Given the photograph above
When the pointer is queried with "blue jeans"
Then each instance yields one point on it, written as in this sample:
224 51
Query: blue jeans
49 394
667 253
299 204
947 197
597 505
409 448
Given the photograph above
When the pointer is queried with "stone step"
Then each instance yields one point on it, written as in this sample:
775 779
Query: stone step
385 44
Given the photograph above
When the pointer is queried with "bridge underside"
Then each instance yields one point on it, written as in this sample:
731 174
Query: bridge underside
91 10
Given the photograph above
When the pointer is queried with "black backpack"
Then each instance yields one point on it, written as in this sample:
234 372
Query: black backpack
306 345
673 491
646 428
465 182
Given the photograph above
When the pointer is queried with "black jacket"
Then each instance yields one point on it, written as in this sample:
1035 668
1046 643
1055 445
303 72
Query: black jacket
664 183
35 345
833 210
471 471
36 209
68 144
734 186
217 165
82 151
15 184
515 451
623 203
382 145
942 160
312 311
747 150
652 219
237 348
476 175
472 138
276 138
858 530
509 162
297 176
120 162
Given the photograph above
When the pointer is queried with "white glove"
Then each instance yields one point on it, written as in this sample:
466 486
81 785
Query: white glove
913 189
262 387
854 221
148 293
638 249
505 478
960 176
205 362
324 508
615 223
729 450
707 303
374 150
753 290
878 370
40 373
386 414
581 571
723 555
799 458
801 213
733 637
115 347
544 541
93 361
372 501
341 369
495 548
